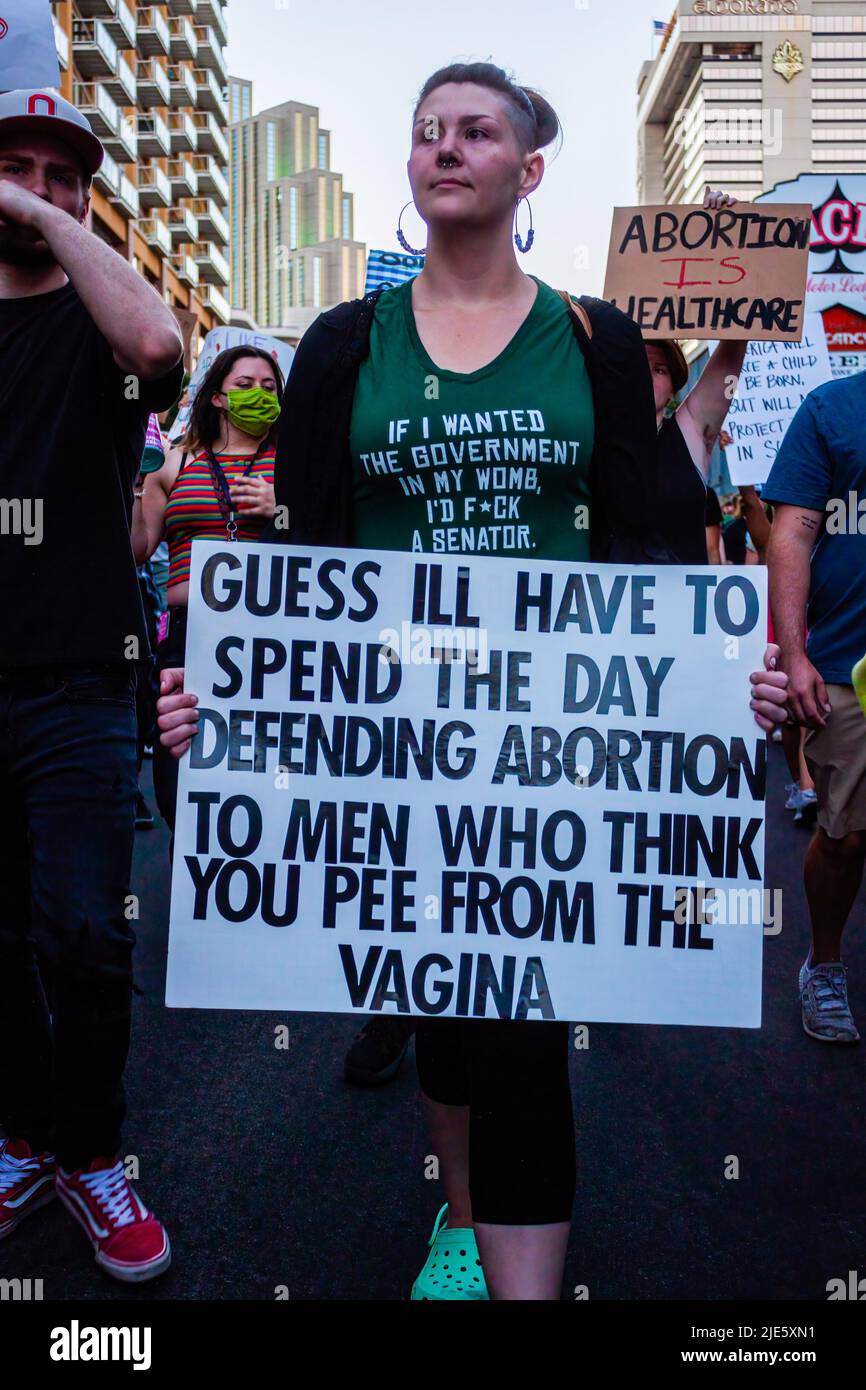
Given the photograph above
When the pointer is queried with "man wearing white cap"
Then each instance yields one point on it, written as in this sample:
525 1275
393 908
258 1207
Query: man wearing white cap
87 350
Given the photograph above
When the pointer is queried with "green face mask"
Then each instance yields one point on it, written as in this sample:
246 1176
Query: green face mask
253 410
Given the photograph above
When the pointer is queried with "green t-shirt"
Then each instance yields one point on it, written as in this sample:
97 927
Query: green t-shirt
493 462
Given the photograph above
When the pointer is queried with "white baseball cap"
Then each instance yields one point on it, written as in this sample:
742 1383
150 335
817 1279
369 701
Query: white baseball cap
52 114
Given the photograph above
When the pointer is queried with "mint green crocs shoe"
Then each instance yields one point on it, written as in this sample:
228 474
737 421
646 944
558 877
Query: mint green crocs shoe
453 1269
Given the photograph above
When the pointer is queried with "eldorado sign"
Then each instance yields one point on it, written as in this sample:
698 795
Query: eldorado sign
691 272
463 786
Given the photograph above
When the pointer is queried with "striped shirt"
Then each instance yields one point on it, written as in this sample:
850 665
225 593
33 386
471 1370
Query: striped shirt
192 511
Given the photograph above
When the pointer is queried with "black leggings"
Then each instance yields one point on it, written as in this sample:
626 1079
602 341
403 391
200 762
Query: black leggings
514 1078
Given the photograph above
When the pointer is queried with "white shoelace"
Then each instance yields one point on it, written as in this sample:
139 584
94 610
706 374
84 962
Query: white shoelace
111 1190
12 1170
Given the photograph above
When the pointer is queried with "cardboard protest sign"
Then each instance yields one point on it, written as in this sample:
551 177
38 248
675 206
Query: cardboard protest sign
775 380
690 272
465 787
28 49
219 340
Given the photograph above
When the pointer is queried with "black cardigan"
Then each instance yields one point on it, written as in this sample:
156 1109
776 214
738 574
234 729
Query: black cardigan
313 470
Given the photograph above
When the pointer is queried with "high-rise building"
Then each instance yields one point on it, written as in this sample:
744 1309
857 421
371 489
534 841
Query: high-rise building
151 80
747 94
293 251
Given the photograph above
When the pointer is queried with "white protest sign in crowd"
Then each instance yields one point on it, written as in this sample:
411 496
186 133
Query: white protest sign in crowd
775 380
366 825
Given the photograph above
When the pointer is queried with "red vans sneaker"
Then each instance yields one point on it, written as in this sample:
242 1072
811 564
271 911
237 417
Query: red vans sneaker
130 1243
26 1182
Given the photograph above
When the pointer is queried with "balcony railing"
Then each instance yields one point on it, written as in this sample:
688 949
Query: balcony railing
184 46
124 143
153 36
210 53
121 85
107 176
153 83
121 26
184 179
154 188
210 95
154 136
211 138
185 268
156 233
126 198
215 300
182 225
181 85
94 49
211 178
212 12
184 132
182 7
212 265
101 110
212 225
61 43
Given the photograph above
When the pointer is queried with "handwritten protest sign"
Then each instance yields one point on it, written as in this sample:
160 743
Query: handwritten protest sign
468 787
690 272
775 380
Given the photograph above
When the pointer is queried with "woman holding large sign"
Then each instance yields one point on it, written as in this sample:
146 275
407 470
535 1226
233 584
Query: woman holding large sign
475 410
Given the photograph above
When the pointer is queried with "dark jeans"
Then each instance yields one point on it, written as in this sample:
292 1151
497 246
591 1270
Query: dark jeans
67 825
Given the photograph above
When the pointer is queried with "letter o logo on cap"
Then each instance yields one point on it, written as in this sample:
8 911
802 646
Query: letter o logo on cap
40 103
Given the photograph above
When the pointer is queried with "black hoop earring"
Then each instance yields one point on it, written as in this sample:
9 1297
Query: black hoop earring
530 236
402 240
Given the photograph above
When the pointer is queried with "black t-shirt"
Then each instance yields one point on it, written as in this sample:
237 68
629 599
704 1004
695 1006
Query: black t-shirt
71 440
683 494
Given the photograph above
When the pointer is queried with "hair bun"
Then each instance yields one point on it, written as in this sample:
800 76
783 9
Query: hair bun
546 119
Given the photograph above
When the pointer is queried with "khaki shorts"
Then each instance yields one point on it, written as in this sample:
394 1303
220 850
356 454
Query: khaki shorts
836 756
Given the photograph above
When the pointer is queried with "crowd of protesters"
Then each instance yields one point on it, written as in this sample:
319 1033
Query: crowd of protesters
90 354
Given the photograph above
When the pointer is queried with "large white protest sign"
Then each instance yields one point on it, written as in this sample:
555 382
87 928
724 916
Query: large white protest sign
567 823
28 48
775 380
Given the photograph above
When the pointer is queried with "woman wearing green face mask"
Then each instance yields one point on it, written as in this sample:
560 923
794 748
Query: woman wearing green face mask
216 484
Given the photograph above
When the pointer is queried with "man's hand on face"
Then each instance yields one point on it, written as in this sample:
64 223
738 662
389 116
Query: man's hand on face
21 207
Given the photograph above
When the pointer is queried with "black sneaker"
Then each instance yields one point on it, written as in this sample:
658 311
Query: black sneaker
378 1050
143 814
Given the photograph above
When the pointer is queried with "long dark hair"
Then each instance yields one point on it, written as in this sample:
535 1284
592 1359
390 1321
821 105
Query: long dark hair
535 122
205 421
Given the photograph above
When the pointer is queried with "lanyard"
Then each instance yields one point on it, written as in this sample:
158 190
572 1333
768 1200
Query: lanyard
221 488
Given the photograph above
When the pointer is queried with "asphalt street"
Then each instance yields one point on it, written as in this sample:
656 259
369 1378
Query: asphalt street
272 1174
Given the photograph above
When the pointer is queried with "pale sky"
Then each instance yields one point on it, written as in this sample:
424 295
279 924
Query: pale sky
362 62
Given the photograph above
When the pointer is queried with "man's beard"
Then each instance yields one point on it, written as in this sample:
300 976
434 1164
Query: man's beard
19 247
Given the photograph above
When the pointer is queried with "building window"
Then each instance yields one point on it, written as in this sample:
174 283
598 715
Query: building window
293 218
236 101
323 151
301 285
246 103
271 151
347 218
